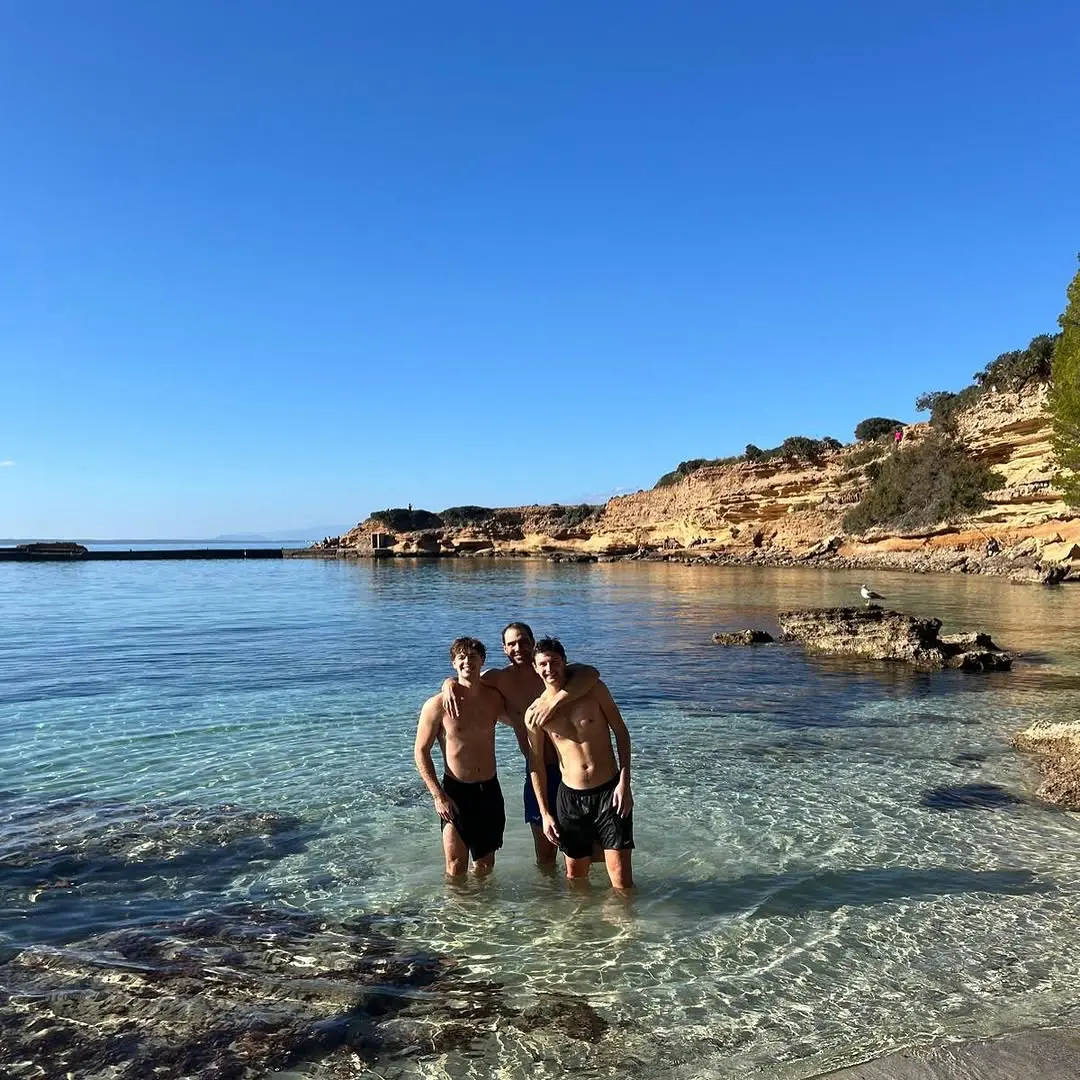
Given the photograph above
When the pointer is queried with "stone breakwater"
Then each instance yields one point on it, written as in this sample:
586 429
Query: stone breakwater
784 513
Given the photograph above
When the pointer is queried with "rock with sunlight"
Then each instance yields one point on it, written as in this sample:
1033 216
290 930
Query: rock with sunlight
1058 747
743 637
877 634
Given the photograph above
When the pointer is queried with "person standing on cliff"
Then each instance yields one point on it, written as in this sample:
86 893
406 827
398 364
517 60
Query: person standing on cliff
469 800
593 804
521 687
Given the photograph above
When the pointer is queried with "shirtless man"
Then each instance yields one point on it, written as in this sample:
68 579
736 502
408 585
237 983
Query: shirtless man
469 800
594 802
520 686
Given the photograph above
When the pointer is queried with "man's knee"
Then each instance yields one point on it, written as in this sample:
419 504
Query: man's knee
484 865
578 868
456 866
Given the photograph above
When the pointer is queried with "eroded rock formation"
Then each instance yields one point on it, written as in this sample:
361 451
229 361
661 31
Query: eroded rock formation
877 634
781 512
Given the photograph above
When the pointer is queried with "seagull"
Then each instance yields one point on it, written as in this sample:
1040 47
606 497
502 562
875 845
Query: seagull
868 594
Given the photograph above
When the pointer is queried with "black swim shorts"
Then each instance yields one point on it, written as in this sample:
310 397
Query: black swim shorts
481 816
532 807
588 816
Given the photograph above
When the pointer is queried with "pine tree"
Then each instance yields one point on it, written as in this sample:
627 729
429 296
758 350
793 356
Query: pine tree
1065 395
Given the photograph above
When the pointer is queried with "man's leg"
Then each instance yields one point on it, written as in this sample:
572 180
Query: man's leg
484 865
455 852
578 869
619 870
544 848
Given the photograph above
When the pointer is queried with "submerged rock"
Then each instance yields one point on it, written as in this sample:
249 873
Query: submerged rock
878 634
743 637
224 995
566 1013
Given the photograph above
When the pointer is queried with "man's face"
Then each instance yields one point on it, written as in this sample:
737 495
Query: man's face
551 667
468 665
518 646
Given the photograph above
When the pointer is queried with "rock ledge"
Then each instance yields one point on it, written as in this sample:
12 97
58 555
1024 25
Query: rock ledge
877 634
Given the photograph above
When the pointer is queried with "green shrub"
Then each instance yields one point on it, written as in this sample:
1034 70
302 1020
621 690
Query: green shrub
753 453
924 484
944 406
405 519
1014 370
466 515
863 455
1065 395
874 427
573 515
685 468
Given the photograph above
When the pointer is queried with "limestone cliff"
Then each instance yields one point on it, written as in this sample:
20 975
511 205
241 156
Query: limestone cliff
779 510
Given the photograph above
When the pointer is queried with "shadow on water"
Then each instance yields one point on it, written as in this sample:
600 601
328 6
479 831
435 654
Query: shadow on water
969 797
760 896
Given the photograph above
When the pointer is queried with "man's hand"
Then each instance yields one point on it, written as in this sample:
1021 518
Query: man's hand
551 829
451 693
622 799
445 807
543 708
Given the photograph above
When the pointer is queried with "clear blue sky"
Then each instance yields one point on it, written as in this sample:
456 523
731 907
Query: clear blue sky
272 265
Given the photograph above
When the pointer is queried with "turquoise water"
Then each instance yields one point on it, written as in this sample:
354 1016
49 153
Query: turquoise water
806 896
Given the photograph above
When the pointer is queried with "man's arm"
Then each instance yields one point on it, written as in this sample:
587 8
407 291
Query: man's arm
581 678
453 693
538 776
427 731
622 798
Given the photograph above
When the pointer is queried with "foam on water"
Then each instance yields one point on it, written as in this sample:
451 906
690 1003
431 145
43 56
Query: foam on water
834 858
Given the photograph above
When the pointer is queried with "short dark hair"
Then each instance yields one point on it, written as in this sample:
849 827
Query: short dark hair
467 645
549 645
524 627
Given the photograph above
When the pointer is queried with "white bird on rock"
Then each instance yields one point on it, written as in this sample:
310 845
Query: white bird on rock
868 594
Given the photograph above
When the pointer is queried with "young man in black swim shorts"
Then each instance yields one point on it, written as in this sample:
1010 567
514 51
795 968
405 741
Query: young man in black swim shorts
469 800
594 803
521 687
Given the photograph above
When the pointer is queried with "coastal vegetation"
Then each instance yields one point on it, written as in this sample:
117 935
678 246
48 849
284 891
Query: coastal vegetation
794 448
406 519
1008 371
466 515
875 427
1065 395
932 481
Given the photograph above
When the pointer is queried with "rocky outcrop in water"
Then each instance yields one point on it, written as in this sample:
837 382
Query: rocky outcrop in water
742 637
1058 747
877 634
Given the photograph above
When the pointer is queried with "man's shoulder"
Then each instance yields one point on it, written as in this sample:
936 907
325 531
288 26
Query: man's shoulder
433 707
493 676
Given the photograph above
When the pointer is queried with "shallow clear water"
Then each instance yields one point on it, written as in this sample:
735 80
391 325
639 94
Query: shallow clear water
804 898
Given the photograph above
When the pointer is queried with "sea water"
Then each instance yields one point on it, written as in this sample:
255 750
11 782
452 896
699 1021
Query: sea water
813 886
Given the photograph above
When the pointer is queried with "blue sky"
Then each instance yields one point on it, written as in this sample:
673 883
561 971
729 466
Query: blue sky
271 266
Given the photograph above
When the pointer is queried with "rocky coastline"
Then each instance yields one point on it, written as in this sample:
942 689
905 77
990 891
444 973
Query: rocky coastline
781 512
